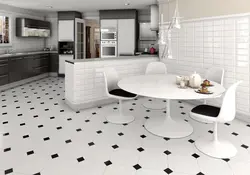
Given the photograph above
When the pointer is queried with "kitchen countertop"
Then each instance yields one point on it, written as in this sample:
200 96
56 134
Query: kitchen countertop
26 53
112 58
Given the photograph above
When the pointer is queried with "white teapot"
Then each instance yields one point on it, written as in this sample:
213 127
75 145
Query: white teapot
195 80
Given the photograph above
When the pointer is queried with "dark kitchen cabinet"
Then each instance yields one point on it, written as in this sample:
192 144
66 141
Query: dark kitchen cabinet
16 69
4 71
28 67
40 64
54 62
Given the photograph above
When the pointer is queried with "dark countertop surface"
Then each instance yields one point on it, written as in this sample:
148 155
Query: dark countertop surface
26 53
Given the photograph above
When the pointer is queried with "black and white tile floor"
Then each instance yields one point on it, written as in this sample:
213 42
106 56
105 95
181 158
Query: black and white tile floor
42 136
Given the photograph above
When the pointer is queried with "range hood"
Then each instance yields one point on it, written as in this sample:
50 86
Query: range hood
26 27
154 10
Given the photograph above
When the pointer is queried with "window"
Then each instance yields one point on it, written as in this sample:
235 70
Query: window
4 30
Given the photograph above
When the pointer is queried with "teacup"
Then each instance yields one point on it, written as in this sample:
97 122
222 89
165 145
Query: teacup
178 79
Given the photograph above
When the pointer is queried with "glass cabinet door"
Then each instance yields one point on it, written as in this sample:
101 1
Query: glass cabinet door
79 39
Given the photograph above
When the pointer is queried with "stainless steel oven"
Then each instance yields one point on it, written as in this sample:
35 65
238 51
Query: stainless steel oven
108 49
108 35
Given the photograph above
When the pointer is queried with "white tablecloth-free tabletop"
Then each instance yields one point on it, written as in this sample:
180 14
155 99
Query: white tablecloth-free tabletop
164 87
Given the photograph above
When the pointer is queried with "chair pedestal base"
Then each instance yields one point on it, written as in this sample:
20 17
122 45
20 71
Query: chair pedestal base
155 104
200 120
216 149
118 118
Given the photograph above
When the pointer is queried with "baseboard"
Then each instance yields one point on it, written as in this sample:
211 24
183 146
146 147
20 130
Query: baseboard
19 83
61 75
81 106
53 74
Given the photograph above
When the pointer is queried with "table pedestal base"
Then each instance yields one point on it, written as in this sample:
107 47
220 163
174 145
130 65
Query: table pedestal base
168 127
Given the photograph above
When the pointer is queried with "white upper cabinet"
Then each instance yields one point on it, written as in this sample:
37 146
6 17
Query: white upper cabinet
66 30
109 23
126 36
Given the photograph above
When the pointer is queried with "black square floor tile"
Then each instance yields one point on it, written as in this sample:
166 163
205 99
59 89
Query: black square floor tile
37 174
167 139
54 156
68 141
7 150
143 136
168 171
30 153
137 167
26 136
226 160
107 163
244 146
195 155
46 138
99 132
191 141
115 146
200 173
80 159
79 129
167 152
91 144
228 124
58 128
6 134
40 126
235 134
140 149
8 171
120 134
210 131
87 121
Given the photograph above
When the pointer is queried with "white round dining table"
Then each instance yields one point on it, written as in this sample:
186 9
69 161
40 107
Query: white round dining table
164 87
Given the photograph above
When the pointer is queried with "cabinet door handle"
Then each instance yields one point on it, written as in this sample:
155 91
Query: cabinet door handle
3 61
1 65
41 67
2 76
17 59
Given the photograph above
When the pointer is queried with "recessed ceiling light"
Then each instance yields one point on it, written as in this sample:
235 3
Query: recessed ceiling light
49 7
127 4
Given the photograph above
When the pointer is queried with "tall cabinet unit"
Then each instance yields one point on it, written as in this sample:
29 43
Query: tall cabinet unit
126 36
70 32
126 24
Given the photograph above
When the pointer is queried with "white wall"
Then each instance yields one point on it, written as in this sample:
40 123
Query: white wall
52 41
190 9
210 40
21 44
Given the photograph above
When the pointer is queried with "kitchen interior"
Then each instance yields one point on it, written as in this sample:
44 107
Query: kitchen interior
55 99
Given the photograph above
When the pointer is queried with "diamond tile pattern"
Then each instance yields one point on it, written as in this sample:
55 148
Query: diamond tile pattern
53 139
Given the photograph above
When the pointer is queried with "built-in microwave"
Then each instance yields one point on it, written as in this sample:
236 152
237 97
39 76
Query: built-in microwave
108 35
108 49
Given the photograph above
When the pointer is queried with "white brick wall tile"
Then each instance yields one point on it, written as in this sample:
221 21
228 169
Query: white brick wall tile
221 42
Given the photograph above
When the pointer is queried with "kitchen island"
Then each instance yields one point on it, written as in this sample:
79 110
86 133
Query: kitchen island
84 81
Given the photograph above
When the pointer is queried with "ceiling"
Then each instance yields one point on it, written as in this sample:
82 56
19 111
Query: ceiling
78 5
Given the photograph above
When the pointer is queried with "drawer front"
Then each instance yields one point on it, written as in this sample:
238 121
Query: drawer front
4 79
41 70
40 62
4 68
4 60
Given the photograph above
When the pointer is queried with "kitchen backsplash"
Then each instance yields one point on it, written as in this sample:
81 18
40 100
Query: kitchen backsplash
214 42
147 44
